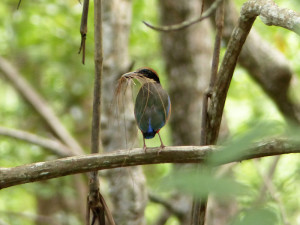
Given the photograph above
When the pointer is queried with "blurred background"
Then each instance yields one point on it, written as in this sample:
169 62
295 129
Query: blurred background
41 41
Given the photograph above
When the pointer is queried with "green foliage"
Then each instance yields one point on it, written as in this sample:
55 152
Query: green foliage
234 149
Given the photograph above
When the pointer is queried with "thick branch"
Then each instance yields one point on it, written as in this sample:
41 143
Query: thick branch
124 158
52 145
272 15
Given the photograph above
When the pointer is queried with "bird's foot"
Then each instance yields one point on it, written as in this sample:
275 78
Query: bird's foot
145 148
162 146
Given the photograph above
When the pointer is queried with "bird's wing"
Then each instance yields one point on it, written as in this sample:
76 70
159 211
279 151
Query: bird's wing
152 107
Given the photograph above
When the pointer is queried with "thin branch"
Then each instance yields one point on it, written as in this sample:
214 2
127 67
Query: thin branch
30 216
269 175
96 203
168 205
124 158
39 104
54 146
83 28
19 3
268 185
2 222
217 47
187 23
225 74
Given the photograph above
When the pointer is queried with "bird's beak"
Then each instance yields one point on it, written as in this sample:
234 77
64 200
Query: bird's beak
129 75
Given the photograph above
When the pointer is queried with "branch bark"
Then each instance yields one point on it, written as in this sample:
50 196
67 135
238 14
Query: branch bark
272 15
124 158
225 74
95 201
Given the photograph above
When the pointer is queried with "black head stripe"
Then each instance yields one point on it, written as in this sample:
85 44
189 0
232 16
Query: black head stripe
149 74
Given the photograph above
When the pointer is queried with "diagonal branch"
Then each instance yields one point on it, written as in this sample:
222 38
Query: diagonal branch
19 3
52 145
170 206
39 104
225 74
265 64
124 158
249 12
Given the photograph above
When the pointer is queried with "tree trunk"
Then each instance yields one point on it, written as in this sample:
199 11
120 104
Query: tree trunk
127 185
187 54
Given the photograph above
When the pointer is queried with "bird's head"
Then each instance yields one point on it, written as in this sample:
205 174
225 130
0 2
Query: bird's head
143 75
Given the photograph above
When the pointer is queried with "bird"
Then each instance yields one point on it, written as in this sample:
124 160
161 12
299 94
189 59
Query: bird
152 107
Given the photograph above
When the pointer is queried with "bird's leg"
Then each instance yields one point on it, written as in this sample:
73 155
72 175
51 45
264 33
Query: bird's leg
145 147
162 146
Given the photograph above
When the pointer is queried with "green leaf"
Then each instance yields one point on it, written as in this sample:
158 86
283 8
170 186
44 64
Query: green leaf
256 217
201 183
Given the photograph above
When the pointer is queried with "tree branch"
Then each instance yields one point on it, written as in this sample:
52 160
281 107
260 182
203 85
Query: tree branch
225 74
268 185
124 158
54 146
169 205
96 203
265 64
39 104
272 15
187 23
83 28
